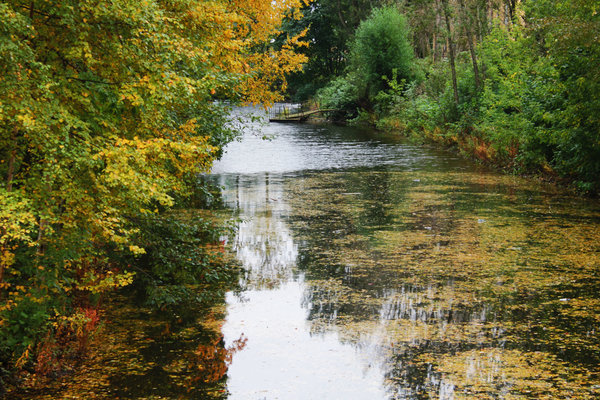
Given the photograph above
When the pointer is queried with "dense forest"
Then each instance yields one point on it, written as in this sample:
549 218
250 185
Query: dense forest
512 83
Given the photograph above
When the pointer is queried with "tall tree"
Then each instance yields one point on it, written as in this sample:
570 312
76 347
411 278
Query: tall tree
381 50
108 109
330 26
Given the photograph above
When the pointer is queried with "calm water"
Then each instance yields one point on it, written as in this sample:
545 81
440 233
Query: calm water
375 269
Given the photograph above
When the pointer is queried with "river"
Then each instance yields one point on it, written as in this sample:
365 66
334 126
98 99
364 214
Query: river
377 269
372 269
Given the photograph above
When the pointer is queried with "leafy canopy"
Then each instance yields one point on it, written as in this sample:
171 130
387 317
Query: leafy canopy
107 110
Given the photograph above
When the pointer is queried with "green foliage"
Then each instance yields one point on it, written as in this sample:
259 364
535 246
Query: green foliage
184 253
340 94
411 111
31 316
537 109
507 103
394 95
380 50
108 110
528 91
380 59
538 100
331 25
568 33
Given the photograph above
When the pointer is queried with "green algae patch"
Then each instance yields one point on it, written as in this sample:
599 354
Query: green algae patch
482 284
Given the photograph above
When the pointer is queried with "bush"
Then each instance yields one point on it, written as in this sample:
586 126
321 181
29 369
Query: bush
381 46
341 94
184 254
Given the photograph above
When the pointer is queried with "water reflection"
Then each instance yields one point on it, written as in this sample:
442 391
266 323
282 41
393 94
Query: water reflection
263 243
454 281
271 313
283 360
408 273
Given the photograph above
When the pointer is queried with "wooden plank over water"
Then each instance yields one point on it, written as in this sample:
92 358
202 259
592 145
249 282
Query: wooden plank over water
299 117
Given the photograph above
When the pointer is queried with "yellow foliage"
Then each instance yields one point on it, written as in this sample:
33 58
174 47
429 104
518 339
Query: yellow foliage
109 112
235 29
106 282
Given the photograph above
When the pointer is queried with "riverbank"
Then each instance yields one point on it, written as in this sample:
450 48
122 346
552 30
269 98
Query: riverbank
522 97
475 148
468 145
161 327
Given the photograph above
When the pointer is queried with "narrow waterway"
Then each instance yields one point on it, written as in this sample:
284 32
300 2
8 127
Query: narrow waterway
376 269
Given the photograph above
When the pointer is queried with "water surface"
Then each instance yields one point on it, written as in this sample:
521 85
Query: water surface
376 269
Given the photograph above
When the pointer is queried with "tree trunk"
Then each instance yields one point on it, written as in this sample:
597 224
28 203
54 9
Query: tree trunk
436 30
40 244
481 25
339 9
512 5
434 47
451 49
9 181
467 25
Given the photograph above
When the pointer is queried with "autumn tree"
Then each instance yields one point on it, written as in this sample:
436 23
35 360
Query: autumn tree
108 109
